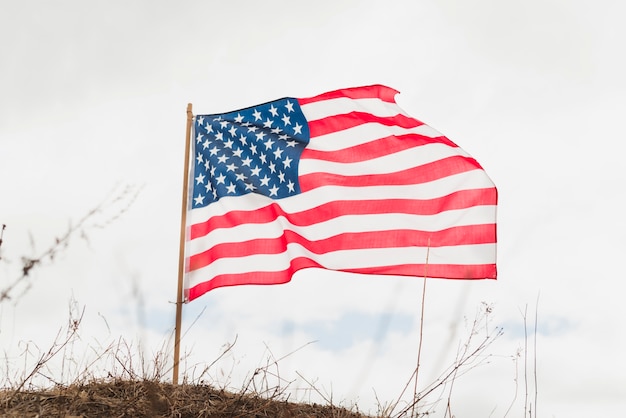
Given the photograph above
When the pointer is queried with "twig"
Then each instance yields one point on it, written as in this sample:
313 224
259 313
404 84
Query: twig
516 380
1 237
315 388
535 354
421 339
449 402
525 362
265 371
29 263
466 362
53 351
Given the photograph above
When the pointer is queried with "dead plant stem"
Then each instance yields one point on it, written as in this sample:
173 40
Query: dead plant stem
535 352
421 339
525 362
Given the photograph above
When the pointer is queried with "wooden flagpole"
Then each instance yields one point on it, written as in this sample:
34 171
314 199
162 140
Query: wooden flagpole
181 252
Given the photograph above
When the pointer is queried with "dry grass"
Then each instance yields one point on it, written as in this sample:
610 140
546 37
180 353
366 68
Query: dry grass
134 387
124 398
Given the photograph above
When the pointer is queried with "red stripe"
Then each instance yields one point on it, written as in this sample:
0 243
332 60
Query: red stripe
375 149
470 234
448 271
337 123
421 174
457 200
259 278
384 93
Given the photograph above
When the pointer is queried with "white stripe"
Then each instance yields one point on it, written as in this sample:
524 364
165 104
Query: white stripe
476 215
475 179
339 106
388 163
346 259
362 134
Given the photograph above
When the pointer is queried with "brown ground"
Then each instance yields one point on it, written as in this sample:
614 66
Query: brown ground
122 399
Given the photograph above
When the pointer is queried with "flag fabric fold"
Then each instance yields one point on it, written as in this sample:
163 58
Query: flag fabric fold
344 181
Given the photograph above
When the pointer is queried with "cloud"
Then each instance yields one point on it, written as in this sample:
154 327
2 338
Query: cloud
552 326
341 333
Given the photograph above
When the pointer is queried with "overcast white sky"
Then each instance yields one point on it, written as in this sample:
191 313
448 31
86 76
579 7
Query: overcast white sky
93 97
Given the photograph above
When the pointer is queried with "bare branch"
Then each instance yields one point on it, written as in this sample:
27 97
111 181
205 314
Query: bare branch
125 197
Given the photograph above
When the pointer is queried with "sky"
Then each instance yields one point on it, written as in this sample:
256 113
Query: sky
92 114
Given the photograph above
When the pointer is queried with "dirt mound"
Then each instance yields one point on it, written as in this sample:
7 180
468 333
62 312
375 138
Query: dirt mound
152 399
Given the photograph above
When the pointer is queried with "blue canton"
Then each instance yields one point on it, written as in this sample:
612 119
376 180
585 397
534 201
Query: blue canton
253 150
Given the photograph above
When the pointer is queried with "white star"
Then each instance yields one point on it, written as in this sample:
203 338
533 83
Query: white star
268 123
278 153
220 179
219 136
273 110
287 162
199 138
291 143
274 191
231 188
242 139
272 167
256 114
253 149
286 120
255 171
213 171
263 158
237 152
200 120
208 186
276 130
297 129
222 159
252 129
281 176
246 161
260 136
199 200
265 181
241 177
238 118
283 137
206 144
208 128
224 124
269 143
229 144
290 186
214 150
250 186
232 131
207 165
199 158
289 106
200 179
231 167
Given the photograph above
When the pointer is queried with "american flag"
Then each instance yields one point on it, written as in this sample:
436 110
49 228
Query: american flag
345 181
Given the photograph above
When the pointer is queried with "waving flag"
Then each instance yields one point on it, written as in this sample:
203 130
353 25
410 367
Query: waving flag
343 181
